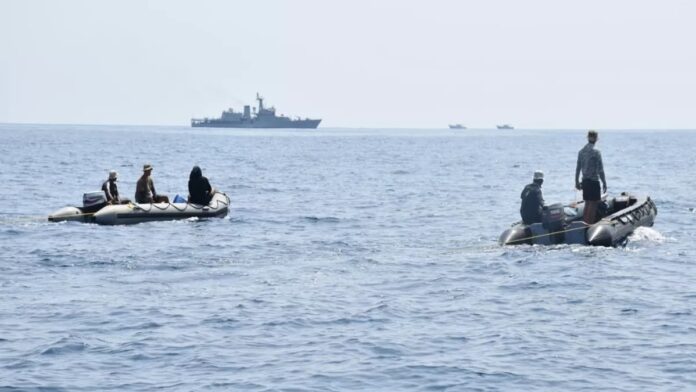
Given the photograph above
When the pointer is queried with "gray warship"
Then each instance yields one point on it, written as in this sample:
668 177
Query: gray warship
263 118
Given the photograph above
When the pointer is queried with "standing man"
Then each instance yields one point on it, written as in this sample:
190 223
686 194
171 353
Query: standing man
590 163
532 200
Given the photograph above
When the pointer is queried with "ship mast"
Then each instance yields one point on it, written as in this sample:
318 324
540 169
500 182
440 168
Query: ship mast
260 99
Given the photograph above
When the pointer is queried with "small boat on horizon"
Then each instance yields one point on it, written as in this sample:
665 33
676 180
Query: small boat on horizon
456 126
505 126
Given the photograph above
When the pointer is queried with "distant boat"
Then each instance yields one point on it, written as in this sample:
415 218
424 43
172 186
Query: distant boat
505 126
265 118
456 126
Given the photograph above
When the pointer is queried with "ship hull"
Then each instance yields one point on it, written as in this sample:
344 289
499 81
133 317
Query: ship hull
297 124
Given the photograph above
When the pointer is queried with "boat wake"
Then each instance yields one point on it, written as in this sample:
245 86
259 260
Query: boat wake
17 219
647 234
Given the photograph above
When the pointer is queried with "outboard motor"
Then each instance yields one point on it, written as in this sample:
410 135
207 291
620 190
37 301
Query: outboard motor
553 220
93 201
621 202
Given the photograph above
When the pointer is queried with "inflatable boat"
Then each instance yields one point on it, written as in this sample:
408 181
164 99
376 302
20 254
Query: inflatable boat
95 210
561 224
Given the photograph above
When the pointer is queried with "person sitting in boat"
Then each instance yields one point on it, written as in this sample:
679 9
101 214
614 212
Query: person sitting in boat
145 188
532 200
111 189
200 191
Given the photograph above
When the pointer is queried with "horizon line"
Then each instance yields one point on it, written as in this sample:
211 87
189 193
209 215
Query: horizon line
446 127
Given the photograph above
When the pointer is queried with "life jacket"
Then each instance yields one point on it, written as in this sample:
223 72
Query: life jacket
532 203
110 190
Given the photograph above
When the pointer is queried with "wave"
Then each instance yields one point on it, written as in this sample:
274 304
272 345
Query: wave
321 219
647 234
21 219
65 346
400 172
24 388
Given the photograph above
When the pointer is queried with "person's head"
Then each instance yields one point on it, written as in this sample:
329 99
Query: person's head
592 136
539 177
195 173
147 170
113 176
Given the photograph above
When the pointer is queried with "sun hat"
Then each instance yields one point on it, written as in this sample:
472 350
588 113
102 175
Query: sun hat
113 175
147 167
538 175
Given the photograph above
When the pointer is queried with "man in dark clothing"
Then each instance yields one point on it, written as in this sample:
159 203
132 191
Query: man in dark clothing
111 189
590 164
200 191
532 200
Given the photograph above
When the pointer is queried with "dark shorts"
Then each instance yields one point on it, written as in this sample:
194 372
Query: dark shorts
591 190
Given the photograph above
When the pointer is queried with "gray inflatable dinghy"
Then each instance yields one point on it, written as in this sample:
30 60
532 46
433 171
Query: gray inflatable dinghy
95 210
560 224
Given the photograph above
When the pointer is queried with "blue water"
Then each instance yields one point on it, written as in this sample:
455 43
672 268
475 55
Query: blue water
350 260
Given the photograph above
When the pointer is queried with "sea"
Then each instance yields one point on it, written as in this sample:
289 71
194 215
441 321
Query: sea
350 260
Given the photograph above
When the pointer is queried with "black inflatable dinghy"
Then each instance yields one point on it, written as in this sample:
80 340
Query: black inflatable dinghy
561 224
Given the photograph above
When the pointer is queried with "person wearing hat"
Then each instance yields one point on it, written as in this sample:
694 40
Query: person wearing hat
145 188
111 189
532 200
590 164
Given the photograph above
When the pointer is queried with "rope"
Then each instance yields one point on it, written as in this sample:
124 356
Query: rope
217 205
84 214
517 242
553 233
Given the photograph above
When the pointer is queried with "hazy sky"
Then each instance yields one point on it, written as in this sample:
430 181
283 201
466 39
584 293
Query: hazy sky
386 63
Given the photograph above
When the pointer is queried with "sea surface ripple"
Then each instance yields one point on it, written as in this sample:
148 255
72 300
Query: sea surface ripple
352 259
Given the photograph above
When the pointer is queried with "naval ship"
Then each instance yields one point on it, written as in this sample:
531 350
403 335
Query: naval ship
264 118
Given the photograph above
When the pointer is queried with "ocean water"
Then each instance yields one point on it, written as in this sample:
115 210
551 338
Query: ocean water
350 260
